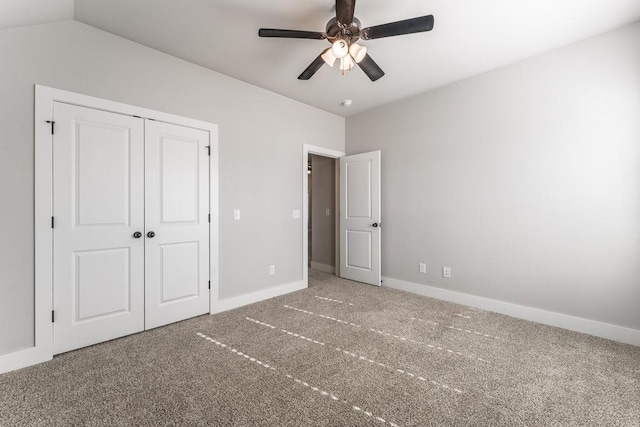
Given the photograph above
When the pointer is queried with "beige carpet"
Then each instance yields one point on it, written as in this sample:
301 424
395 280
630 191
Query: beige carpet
336 354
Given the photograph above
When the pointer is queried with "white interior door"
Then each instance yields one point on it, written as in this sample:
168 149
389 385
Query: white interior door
360 218
177 223
98 264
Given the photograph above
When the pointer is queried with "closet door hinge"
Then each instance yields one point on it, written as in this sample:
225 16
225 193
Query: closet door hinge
53 316
52 222
209 284
209 217
51 122
208 150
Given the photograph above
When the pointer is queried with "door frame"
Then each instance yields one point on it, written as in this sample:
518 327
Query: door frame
325 152
45 97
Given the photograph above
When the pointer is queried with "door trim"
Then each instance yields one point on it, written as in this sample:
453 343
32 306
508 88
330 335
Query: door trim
42 349
325 152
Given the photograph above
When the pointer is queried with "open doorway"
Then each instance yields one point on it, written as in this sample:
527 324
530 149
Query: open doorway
322 225
320 210
357 211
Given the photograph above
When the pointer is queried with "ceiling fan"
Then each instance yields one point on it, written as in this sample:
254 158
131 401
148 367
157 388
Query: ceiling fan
343 32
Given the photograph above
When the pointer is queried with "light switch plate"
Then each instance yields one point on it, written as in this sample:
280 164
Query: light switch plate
236 214
296 214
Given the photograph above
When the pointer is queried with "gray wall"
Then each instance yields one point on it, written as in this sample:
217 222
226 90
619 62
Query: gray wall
261 136
323 181
524 180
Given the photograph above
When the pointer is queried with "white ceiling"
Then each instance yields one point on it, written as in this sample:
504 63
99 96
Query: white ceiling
470 37
18 13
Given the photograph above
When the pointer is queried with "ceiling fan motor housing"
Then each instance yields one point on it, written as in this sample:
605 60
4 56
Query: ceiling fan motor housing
351 33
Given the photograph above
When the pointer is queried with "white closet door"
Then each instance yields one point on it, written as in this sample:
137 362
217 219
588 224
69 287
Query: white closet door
177 225
98 178
360 218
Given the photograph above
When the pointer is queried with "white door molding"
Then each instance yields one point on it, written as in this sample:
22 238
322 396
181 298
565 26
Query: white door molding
42 349
320 151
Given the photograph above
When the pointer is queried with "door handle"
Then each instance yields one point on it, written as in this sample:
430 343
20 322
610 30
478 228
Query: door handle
375 225
151 234
137 235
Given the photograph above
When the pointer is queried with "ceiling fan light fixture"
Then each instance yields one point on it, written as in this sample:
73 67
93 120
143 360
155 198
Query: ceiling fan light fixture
358 52
340 48
328 57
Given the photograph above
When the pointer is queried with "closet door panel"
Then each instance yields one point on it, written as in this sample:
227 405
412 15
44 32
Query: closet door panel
98 187
177 223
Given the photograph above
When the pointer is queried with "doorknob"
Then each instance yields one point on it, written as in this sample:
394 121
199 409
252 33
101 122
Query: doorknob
375 224
137 235
151 234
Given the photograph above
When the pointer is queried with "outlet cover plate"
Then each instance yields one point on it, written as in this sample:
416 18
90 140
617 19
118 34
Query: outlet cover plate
446 272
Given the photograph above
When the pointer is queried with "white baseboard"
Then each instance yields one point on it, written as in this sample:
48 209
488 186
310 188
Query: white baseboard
23 358
240 300
323 267
577 324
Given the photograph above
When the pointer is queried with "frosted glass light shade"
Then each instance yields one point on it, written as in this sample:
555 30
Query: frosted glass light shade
358 52
340 48
328 57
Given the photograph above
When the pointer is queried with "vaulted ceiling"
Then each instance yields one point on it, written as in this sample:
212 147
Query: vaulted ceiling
470 37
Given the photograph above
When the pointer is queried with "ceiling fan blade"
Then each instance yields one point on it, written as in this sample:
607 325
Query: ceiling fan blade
312 68
345 10
370 68
408 26
291 34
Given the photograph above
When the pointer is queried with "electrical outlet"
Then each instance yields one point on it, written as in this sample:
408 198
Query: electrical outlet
296 214
327 212
236 214
272 270
446 272
423 267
